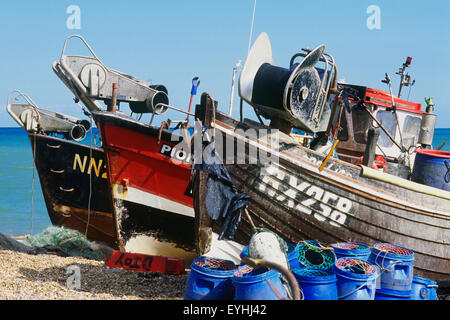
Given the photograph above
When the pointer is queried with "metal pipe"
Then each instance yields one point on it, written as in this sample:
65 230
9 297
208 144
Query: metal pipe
369 152
113 103
230 111
85 43
161 106
256 263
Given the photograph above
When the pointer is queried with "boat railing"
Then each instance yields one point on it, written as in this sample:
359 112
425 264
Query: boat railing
85 43
162 108
330 65
29 101
74 78
34 119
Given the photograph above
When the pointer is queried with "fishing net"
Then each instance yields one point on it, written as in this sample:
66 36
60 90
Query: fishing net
312 254
243 271
390 248
355 266
213 263
313 272
349 246
64 242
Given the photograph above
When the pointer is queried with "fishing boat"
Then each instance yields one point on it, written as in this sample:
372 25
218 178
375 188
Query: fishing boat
72 175
154 215
147 171
361 195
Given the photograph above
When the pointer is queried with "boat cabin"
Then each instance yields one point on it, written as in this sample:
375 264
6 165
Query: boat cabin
355 124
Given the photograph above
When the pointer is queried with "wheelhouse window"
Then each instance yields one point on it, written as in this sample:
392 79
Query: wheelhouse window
343 129
389 122
361 121
411 128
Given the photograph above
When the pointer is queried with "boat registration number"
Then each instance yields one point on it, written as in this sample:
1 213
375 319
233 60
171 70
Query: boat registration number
307 198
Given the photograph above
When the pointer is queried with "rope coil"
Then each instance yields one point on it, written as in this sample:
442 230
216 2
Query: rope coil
355 266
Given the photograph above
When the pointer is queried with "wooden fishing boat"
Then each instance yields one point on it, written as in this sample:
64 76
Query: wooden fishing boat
300 193
74 183
73 176
148 177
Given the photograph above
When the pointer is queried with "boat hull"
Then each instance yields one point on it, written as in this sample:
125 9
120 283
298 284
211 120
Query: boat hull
292 197
153 214
74 183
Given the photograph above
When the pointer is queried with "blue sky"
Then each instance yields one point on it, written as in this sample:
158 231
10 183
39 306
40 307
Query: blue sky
169 42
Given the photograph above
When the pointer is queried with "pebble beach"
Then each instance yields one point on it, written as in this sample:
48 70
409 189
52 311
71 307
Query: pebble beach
50 277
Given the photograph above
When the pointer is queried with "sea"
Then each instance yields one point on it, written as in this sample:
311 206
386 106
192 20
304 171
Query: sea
22 205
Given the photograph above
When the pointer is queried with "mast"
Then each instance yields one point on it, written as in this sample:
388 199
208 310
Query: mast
238 64
405 79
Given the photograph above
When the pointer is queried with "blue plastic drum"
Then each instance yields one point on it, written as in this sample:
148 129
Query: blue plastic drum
210 279
258 284
396 266
423 289
385 294
351 250
432 168
316 284
356 279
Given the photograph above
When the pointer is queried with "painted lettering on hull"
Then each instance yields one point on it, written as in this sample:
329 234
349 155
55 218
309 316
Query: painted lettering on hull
305 197
176 153
98 166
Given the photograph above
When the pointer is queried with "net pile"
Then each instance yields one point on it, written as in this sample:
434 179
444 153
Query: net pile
243 271
349 246
64 242
355 266
213 263
313 272
312 254
390 248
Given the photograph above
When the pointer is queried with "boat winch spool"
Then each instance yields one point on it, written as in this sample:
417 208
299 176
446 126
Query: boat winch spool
297 96
34 119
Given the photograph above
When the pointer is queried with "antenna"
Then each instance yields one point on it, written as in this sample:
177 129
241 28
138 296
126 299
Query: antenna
238 64
405 79
251 29
410 87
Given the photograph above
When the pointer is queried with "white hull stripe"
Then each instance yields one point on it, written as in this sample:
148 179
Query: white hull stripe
150 200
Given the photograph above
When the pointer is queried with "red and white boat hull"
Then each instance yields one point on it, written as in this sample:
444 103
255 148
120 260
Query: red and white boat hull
153 215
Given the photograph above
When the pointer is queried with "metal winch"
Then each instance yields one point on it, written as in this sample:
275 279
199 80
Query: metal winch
89 80
36 120
298 95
